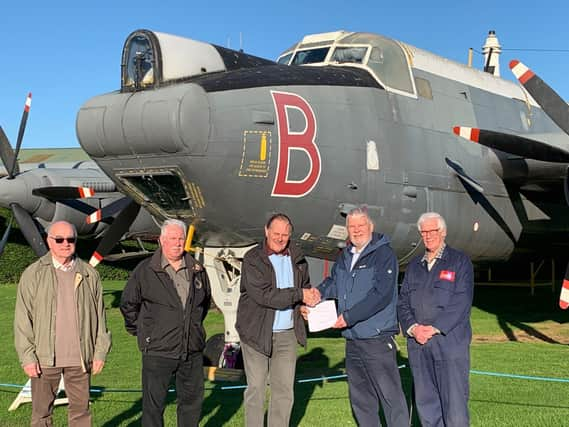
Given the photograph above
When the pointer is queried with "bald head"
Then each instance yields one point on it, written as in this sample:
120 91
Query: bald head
61 237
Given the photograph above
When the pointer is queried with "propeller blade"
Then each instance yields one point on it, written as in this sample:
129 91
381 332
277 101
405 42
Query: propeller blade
21 131
108 211
546 97
564 297
461 173
113 234
62 193
7 154
29 229
5 236
514 144
566 186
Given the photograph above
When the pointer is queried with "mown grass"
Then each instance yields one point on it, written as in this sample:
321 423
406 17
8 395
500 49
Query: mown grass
495 401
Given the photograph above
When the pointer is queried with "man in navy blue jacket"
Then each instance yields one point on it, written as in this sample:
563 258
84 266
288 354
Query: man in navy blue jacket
434 311
364 282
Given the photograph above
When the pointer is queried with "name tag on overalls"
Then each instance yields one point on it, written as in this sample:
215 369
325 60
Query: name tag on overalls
447 275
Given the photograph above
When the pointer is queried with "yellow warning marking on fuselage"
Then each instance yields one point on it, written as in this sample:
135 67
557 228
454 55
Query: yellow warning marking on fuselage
196 195
263 154
252 165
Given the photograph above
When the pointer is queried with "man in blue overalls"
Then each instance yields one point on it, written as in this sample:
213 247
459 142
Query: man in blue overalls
434 312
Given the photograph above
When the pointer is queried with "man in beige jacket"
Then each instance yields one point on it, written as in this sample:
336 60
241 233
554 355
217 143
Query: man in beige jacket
60 327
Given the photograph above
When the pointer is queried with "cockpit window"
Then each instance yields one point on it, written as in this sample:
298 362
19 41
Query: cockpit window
349 54
284 59
390 64
139 63
385 59
310 56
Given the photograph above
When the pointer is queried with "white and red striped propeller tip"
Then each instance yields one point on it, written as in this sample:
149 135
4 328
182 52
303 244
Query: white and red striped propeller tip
522 73
564 297
472 134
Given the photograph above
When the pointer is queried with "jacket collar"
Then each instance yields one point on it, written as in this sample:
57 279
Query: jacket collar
156 261
376 241
293 251
80 265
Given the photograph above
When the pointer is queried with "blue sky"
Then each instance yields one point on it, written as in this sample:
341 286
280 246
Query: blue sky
65 54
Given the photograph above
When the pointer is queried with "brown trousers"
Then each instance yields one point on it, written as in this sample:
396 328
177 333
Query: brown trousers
44 390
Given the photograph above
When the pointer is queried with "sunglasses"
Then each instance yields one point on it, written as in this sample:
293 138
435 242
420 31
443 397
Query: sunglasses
60 240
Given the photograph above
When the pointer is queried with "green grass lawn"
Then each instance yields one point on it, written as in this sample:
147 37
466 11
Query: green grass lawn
514 334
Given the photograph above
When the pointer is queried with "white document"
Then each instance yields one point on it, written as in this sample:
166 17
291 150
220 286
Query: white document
322 316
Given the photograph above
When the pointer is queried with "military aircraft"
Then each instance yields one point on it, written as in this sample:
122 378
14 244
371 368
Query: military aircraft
222 139
61 184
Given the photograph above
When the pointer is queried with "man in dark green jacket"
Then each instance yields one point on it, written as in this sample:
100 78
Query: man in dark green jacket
274 282
60 327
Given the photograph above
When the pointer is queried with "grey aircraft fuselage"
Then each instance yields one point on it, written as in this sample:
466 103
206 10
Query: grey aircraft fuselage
225 147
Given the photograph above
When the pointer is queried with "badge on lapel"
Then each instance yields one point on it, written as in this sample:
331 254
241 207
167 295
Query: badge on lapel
447 275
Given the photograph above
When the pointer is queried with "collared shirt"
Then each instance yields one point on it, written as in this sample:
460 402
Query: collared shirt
438 255
356 254
271 252
282 264
180 278
63 267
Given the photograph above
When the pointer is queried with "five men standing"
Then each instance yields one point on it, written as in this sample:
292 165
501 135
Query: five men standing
164 304
60 327
434 311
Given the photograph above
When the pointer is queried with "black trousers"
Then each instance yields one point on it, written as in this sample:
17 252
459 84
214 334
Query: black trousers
156 374
373 378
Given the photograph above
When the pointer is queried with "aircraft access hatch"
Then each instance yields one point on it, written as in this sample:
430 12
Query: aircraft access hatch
163 190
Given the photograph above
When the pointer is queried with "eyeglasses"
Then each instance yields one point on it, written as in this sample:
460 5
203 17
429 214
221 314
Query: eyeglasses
60 240
429 232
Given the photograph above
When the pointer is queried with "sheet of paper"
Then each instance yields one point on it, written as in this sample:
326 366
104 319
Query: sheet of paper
322 316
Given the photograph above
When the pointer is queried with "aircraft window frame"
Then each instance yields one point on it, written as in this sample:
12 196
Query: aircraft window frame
183 207
423 88
146 56
285 59
319 59
364 58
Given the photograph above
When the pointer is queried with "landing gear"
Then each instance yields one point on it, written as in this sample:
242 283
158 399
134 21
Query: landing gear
219 354
223 267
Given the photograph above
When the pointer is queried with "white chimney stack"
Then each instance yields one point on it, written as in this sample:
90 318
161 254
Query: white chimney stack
492 50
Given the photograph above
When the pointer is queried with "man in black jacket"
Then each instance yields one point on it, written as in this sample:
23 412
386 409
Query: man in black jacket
274 282
164 304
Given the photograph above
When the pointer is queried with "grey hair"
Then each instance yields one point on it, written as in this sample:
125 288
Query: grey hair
361 210
175 222
48 229
432 215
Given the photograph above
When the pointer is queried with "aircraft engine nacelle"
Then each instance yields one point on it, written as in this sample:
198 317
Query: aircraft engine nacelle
171 120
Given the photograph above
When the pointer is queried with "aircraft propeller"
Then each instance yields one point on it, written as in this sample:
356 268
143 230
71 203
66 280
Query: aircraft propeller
63 192
109 210
546 97
558 110
117 229
9 157
5 236
21 131
564 297
514 144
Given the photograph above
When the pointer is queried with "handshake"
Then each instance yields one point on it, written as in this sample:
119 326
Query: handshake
311 296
